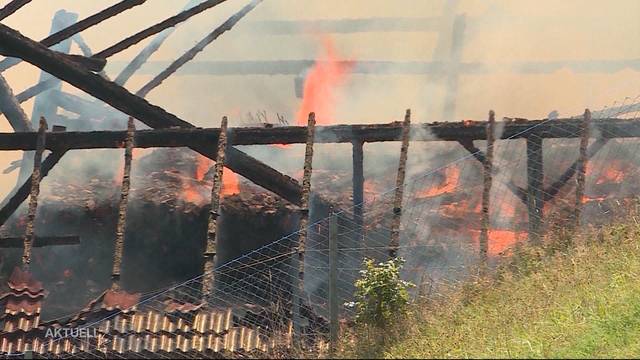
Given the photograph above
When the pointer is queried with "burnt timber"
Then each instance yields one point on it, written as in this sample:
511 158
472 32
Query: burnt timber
186 137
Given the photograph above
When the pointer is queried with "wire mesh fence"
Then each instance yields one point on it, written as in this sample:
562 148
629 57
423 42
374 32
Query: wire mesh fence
536 188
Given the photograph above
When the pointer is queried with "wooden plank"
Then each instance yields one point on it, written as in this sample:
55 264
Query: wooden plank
10 107
333 285
29 234
191 136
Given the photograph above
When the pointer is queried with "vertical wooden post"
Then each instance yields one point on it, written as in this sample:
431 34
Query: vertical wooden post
358 192
535 176
212 229
582 165
397 203
333 283
29 235
304 220
486 189
122 207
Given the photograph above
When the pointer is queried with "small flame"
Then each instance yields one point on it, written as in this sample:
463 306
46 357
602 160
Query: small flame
452 177
320 85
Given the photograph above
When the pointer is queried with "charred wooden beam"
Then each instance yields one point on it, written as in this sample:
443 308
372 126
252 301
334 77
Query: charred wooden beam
582 165
191 53
153 116
486 188
12 7
142 57
152 30
122 207
358 190
38 241
479 155
12 204
557 185
535 200
298 300
33 195
399 193
81 25
10 107
208 275
191 136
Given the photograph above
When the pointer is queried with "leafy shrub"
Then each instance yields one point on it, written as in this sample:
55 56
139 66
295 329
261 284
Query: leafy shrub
381 296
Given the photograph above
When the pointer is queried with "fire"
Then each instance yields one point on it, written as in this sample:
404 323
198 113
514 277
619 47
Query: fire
320 85
230 183
500 240
202 166
452 177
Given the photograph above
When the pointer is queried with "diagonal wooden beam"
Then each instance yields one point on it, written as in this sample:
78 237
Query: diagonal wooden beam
81 25
12 204
479 155
152 30
151 115
12 7
201 45
10 107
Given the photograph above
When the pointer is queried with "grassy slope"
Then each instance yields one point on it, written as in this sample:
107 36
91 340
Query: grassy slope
582 304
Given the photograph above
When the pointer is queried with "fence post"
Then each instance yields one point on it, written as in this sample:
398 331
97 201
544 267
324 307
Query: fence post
29 235
122 206
582 165
302 236
397 203
333 284
486 191
535 201
210 251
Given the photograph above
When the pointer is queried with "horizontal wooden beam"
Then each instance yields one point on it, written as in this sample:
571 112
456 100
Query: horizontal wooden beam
190 137
40 241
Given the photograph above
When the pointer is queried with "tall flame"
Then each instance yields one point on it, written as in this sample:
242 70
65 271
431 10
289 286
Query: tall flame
321 83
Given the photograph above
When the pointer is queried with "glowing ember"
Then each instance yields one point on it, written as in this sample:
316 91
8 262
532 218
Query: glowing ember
67 273
452 177
320 84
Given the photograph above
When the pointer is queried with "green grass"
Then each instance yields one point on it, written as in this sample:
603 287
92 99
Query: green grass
583 302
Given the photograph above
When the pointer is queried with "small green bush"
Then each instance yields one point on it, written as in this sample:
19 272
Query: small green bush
381 296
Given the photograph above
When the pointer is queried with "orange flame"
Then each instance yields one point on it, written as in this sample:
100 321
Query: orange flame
452 177
320 85
230 183
202 166
500 241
